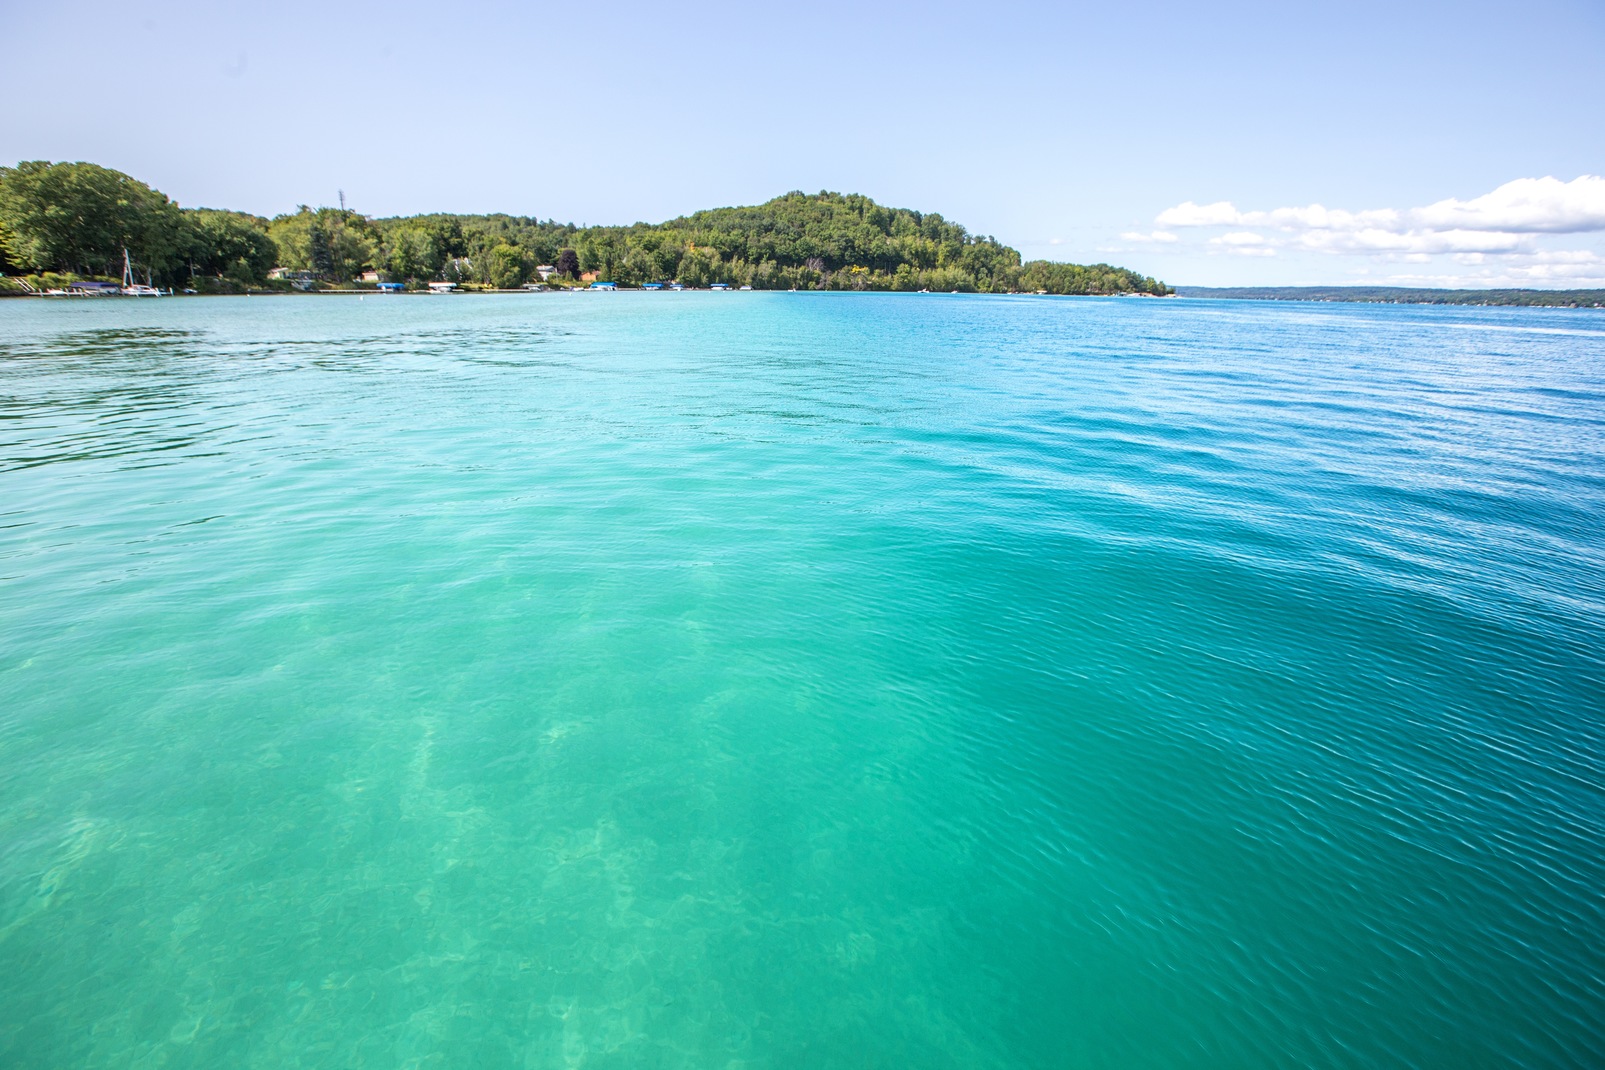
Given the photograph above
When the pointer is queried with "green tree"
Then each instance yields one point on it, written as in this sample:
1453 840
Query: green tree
506 268
415 253
330 242
700 266
80 217
230 244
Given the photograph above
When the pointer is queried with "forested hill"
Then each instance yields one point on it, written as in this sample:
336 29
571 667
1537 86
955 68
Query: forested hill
1401 295
78 217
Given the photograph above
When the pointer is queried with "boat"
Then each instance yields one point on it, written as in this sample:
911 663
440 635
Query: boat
132 288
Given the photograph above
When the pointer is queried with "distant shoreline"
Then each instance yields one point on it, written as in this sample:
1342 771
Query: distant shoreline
481 291
1589 299
1402 295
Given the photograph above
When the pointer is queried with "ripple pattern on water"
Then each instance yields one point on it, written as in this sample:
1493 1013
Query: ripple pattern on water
775 680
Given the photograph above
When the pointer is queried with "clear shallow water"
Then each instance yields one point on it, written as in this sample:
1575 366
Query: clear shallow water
774 680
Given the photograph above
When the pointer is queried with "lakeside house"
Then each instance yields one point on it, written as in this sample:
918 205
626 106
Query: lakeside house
368 276
301 280
545 271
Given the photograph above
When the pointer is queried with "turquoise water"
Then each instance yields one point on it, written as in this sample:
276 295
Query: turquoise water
792 680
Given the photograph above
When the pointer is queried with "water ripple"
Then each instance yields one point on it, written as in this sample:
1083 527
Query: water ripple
791 679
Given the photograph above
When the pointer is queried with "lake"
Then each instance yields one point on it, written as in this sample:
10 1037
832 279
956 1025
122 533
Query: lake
778 680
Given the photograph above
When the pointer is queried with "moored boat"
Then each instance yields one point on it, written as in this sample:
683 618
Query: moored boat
132 288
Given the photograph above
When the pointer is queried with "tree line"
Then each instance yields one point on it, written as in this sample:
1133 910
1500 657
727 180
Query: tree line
1403 295
79 218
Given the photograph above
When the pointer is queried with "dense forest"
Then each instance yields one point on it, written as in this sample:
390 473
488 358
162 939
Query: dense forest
76 219
1400 295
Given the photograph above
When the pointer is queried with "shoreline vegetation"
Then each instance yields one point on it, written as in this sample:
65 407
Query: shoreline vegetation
1401 295
62 223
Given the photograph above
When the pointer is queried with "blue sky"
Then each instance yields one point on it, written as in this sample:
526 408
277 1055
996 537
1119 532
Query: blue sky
1071 131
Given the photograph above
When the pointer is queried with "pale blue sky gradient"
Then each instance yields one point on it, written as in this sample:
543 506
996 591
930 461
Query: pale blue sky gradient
1058 128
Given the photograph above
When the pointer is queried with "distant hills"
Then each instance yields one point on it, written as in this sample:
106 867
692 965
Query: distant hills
1401 295
76 219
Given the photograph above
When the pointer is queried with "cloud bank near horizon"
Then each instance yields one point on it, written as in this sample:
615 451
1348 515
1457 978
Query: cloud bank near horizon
1505 237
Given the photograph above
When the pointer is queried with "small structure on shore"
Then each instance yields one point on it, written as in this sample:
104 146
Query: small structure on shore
442 287
604 286
301 280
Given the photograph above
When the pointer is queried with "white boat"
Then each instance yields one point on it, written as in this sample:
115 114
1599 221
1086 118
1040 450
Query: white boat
132 288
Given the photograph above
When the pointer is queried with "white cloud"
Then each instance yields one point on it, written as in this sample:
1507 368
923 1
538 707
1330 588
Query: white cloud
1376 239
1561 268
1527 205
1319 217
1567 256
1505 228
1244 243
1152 236
1188 214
